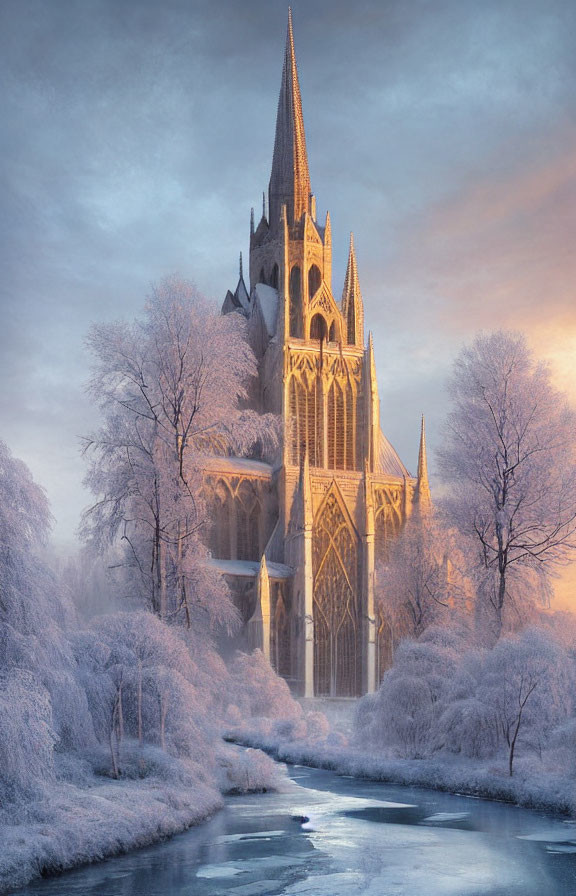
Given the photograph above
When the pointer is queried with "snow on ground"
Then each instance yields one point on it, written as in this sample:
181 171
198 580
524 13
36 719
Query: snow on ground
97 816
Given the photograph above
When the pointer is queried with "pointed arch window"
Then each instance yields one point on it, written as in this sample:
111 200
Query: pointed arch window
306 421
387 527
281 652
247 523
314 280
296 302
332 335
221 534
342 426
318 327
274 277
351 322
297 402
262 278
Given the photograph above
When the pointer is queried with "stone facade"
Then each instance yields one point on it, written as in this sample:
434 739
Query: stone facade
297 539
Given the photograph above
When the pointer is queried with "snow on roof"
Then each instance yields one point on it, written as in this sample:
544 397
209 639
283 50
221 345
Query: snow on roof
390 463
267 298
250 568
239 464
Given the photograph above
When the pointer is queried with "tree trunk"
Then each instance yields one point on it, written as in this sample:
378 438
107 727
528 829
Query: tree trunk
163 709
161 581
120 715
140 702
111 738
513 742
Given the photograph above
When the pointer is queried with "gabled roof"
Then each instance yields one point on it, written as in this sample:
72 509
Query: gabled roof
239 300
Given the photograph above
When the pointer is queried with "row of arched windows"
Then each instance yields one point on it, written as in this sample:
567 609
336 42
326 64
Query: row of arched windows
309 407
235 531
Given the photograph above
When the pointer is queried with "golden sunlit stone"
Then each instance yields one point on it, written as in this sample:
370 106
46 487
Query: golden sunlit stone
339 493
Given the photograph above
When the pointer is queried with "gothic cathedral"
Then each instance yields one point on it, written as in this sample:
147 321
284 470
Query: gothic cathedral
297 539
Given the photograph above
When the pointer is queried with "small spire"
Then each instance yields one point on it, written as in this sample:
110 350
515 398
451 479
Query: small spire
423 486
251 222
263 204
241 297
352 305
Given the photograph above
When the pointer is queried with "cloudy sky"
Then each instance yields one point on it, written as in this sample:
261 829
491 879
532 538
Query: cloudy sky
137 134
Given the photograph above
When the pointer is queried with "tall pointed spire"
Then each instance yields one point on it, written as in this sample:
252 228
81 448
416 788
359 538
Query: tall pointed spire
423 486
352 305
290 178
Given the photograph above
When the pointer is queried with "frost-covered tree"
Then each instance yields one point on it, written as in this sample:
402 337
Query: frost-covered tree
172 387
527 685
27 737
34 614
420 584
508 457
144 683
24 525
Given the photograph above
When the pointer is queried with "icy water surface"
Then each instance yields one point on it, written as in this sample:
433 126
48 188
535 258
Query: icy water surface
331 836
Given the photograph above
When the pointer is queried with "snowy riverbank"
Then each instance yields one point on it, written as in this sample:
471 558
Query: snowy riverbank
532 786
96 817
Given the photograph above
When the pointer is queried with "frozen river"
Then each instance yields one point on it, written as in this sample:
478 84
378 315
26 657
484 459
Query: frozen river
329 836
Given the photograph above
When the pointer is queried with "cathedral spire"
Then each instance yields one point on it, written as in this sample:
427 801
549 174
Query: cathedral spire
290 178
352 305
422 486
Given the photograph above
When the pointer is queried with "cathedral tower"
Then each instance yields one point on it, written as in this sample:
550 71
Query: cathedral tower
337 493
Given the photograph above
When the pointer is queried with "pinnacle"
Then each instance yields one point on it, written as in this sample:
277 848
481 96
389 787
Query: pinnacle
422 478
352 308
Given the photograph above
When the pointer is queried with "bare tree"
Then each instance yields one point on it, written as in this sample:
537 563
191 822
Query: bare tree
420 583
508 455
172 387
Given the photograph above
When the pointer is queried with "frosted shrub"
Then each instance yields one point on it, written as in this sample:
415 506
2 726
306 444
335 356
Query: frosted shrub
290 729
317 726
258 692
248 771
527 682
402 716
